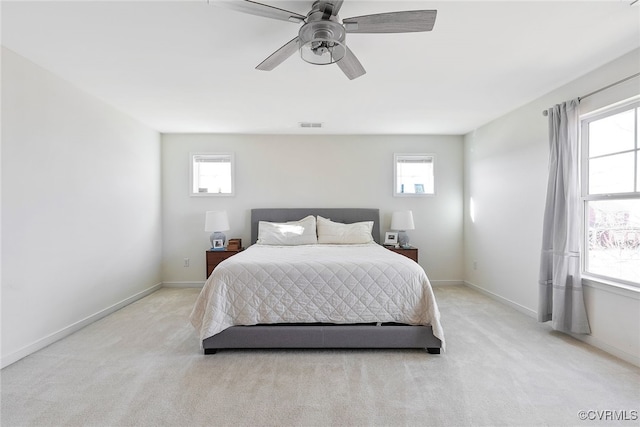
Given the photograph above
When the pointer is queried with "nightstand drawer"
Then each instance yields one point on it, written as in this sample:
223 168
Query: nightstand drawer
411 252
216 257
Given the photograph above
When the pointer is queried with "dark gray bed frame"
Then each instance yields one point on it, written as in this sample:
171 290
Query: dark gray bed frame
321 335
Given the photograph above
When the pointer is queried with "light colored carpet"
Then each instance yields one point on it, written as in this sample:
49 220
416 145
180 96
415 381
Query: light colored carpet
142 366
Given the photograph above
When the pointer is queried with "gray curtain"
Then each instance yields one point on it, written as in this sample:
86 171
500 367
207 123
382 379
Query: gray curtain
561 300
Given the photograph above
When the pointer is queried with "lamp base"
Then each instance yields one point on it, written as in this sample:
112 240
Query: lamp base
218 239
403 239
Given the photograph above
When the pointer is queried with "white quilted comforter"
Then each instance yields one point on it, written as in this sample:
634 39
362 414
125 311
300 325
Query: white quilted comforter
315 283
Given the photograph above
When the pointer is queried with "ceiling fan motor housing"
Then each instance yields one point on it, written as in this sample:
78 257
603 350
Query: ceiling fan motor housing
322 42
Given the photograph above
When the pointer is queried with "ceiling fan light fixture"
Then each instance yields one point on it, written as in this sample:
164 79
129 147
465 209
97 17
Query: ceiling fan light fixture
322 42
322 51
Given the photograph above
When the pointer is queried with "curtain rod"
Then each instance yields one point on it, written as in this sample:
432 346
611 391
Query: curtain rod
545 112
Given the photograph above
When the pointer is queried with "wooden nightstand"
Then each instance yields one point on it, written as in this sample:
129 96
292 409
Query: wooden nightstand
411 252
216 257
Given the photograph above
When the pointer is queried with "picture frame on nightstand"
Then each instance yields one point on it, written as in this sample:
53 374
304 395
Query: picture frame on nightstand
218 245
391 238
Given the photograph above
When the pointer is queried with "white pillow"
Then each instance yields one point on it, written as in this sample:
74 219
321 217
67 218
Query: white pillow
302 232
336 232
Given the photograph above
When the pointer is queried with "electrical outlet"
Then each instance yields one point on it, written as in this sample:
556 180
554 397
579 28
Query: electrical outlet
186 262
475 264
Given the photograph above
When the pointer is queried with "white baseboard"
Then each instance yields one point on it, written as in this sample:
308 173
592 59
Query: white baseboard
522 309
587 339
183 284
621 354
66 331
446 282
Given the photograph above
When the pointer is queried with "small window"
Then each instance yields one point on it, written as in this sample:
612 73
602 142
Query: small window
413 175
611 194
212 174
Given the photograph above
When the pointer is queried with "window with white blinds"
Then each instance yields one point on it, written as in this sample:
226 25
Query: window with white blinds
212 174
413 175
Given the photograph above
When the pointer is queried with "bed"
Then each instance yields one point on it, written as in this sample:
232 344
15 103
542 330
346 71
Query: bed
317 295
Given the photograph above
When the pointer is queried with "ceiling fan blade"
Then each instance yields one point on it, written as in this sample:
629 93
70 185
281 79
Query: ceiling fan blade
330 7
337 5
278 57
350 65
392 22
259 9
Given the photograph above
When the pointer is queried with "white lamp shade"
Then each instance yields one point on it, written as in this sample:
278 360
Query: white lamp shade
216 221
402 220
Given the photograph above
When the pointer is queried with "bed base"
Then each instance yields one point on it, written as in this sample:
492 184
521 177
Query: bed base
317 336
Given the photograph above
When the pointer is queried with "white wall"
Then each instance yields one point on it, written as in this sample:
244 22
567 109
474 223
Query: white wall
506 164
311 171
81 224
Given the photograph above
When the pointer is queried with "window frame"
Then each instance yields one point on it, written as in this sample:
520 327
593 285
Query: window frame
398 156
586 197
192 156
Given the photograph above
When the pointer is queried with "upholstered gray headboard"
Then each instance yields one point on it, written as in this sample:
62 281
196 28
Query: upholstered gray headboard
344 215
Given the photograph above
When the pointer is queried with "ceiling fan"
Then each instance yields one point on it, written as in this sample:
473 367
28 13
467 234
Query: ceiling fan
321 38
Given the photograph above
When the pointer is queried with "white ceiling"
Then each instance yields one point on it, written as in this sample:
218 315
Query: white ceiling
188 66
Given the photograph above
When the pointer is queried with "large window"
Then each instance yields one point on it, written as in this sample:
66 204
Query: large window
611 193
211 174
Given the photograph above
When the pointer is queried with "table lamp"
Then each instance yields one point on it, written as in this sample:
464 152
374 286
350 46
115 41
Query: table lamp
402 221
217 221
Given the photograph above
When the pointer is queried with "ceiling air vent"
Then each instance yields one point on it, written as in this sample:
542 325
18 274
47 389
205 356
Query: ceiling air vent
310 124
